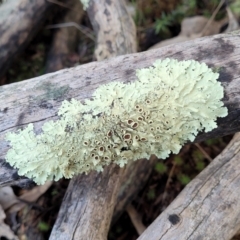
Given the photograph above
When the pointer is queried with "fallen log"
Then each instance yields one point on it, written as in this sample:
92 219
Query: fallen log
37 100
20 109
208 207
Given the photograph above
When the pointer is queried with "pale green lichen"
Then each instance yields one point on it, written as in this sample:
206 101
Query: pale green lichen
85 3
166 106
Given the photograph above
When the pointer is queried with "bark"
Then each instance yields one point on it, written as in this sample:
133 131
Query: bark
131 182
114 28
91 217
19 22
208 207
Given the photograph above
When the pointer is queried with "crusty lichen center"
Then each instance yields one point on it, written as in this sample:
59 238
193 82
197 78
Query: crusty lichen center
166 106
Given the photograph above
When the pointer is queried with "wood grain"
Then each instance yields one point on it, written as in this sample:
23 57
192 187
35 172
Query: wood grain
209 206
37 100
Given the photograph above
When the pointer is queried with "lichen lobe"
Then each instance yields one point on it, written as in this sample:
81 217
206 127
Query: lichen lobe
166 106
85 4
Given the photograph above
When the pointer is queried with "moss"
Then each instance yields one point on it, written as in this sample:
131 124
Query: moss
166 106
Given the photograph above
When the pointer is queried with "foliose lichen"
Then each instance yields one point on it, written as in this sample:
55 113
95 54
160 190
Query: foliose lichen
85 4
166 106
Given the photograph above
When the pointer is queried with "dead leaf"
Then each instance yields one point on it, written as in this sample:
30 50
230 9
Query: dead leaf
233 24
5 231
36 192
194 26
30 196
7 197
191 28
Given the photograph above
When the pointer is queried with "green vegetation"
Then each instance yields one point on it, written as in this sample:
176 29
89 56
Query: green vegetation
200 165
188 8
161 168
43 226
235 7
178 160
184 179
151 194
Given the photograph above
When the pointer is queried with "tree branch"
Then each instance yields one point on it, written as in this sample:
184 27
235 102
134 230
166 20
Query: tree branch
19 22
208 207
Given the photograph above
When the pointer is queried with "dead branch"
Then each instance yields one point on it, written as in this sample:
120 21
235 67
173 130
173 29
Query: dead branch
136 219
208 207
37 100
19 22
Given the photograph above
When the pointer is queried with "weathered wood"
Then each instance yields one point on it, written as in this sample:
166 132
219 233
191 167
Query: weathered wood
208 207
131 182
19 22
37 100
87 209
91 217
49 98
114 28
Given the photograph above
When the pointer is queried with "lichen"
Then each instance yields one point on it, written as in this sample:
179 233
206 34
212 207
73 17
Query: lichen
168 104
85 4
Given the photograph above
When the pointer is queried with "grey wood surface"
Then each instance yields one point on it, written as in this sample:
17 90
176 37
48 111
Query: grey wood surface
37 100
209 206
